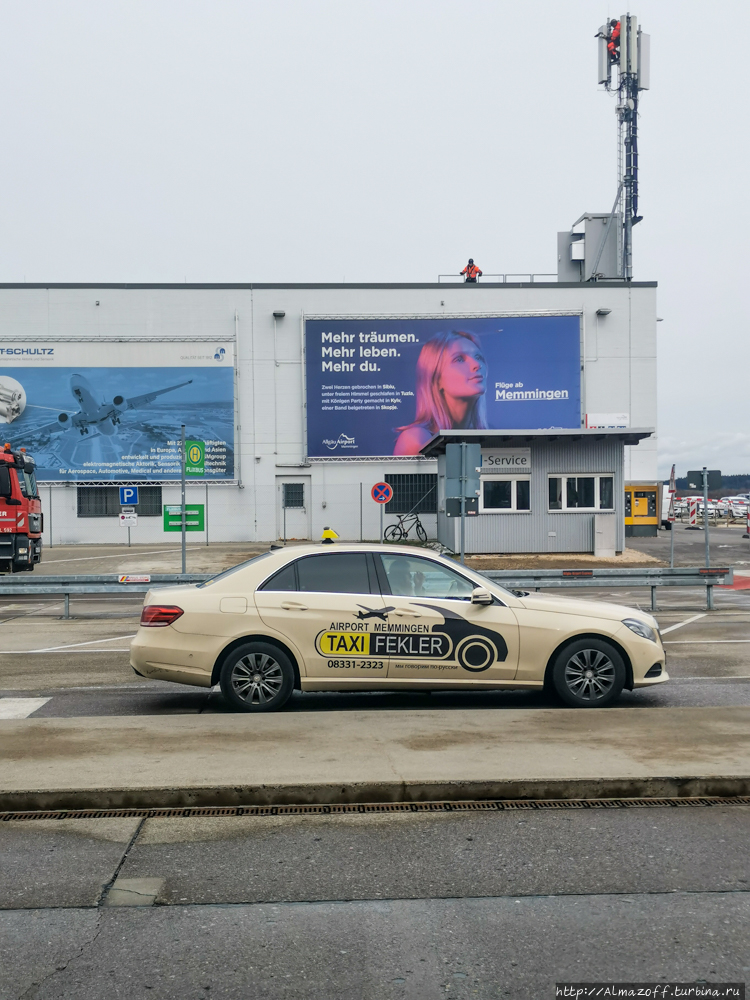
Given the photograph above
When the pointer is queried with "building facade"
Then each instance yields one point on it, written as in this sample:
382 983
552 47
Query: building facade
275 482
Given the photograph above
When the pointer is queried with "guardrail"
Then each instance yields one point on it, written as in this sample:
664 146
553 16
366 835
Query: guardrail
140 583
652 577
533 579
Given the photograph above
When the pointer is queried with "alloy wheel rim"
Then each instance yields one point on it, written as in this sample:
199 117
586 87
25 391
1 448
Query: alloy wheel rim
257 678
590 674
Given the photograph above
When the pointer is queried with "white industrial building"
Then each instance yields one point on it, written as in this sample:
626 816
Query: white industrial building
260 331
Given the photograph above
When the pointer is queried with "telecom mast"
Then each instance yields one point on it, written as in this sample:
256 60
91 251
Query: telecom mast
626 49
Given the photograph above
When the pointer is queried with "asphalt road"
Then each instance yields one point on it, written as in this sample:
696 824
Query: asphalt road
57 668
373 906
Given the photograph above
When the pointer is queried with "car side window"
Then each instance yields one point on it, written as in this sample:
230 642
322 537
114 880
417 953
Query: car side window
334 573
413 577
285 579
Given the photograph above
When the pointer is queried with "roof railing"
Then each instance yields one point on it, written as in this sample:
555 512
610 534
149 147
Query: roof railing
500 278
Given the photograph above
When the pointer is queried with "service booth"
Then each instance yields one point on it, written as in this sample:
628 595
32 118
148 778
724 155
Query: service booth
551 490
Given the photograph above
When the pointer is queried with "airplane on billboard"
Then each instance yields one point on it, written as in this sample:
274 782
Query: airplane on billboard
102 416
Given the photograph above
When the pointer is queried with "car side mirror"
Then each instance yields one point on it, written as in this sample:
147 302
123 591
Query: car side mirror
481 596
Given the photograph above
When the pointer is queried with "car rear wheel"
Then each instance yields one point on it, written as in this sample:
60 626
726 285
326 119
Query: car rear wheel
589 673
257 677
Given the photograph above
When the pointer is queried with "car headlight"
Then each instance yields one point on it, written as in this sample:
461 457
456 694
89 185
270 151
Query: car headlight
640 628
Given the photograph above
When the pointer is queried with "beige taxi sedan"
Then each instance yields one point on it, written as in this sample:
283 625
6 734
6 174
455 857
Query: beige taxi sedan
382 618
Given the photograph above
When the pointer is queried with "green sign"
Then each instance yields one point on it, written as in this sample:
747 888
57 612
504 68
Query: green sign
195 457
194 517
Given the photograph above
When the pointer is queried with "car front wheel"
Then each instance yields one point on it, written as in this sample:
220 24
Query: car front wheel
257 677
589 673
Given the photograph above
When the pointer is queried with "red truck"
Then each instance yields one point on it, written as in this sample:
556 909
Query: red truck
20 512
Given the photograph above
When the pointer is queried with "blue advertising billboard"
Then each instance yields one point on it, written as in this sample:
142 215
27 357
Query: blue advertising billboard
378 387
113 411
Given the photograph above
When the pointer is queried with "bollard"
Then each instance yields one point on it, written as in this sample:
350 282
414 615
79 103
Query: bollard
709 598
653 598
67 606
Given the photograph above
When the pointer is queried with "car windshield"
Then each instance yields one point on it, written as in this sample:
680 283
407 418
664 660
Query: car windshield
235 569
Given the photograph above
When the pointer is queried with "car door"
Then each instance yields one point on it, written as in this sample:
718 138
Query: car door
326 604
434 632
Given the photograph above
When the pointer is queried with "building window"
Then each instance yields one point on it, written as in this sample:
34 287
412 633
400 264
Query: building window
581 493
294 495
104 501
412 493
501 493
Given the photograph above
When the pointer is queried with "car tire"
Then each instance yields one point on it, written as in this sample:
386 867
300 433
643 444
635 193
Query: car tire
257 677
588 673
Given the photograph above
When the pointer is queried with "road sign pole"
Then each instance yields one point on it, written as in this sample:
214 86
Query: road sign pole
381 521
671 520
182 498
128 536
705 514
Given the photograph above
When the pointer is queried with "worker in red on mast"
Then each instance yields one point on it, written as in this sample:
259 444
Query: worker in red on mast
613 41
471 271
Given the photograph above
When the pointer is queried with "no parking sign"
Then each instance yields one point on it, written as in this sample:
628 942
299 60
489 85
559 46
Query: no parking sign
382 492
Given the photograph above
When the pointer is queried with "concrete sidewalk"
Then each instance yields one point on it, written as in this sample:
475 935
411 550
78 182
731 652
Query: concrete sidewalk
383 756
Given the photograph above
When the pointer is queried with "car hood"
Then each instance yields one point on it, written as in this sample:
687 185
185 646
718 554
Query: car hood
576 606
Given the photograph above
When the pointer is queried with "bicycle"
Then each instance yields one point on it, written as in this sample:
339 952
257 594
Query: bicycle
395 532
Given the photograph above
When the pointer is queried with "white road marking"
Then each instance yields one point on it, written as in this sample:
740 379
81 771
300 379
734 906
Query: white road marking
91 642
119 555
75 645
20 708
60 652
700 642
680 624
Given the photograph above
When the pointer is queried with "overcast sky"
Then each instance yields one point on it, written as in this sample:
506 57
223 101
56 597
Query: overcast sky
319 140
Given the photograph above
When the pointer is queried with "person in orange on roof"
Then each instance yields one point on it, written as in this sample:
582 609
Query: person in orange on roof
613 44
471 271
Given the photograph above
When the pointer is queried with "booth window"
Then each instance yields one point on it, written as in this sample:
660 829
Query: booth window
104 501
581 493
500 493
413 493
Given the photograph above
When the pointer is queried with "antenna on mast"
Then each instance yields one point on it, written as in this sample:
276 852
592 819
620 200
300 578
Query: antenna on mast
625 52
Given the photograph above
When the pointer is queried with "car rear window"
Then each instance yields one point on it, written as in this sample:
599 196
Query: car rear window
235 569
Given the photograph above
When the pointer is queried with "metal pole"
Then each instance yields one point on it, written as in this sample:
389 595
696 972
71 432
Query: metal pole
283 507
182 496
463 500
381 505
50 517
361 530
205 519
67 606
671 544
128 536
705 514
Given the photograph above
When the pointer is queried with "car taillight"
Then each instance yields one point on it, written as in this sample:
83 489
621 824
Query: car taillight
160 614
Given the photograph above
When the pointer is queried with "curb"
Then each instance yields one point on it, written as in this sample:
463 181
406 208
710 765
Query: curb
373 792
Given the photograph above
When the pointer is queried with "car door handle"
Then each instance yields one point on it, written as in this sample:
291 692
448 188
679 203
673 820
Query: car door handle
292 606
406 613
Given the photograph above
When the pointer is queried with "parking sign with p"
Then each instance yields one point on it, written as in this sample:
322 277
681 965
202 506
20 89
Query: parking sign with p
128 496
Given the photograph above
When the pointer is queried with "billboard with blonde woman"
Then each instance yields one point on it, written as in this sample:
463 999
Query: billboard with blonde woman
382 387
